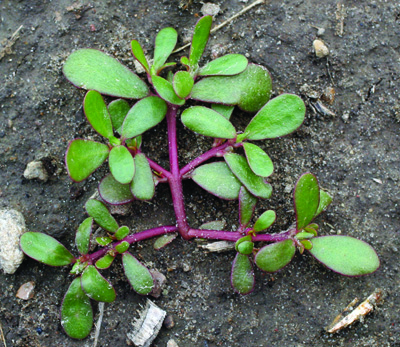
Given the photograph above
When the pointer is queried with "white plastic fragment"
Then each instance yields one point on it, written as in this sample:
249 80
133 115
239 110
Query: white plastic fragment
321 50
12 226
146 328
35 169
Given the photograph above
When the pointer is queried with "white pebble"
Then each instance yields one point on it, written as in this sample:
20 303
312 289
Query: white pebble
35 169
321 50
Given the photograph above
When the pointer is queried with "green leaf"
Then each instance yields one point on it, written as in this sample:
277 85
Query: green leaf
165 44
166 90
103 240
118 109
245 247
242 275
306 199
45 249
227 65
280 116
242 239
83 157
224 110
240 168
82 237
138 53
164 240
96 286
306 244
247 204
93 69
207 122
138 275
97 113
250 90
121 233
101 215
303 235
259 161
324 201
184 61
345 254
218 180
76 311
122 247
213 225
113 192
105 262
142 186
144 115
199 41
265 221
182 83
275 256
121 164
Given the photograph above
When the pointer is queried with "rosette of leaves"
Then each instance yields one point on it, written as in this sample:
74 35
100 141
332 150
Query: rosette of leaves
76 309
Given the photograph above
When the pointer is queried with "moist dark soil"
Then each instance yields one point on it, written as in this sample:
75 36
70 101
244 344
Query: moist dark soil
354 152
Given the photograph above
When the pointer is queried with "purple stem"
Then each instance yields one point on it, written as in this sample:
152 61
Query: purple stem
158 168
175 181
143 235
234 236
217 151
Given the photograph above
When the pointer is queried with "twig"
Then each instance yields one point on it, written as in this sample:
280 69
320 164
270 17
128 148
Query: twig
2 336
7 44
98 324
247 8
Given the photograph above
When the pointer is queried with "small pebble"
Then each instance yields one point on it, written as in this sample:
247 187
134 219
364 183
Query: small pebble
169 322
321 50
35 169
25 292
210 9
159 282
172 343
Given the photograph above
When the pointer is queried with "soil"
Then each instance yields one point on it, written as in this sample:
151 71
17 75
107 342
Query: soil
354 153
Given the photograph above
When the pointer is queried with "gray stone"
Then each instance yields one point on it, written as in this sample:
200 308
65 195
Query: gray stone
35 169
12 226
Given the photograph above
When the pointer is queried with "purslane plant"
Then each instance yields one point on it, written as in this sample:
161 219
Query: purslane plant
223 171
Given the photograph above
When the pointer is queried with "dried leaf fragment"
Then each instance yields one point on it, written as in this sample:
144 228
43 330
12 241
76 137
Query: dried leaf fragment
359 313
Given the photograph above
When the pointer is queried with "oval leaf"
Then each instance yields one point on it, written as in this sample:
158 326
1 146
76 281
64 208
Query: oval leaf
138 53
165 44
93 69
104 262
280 116
165 89
122 165
213 225
76 311
207 122
83 157
118 109
144 115
122 232
101 215
182 83
259 161
82 237
242 275
247 204
96 286
250 90
306 199
218 180
138 275
275 256
199 40
324 201
230 64
345 255
97 113
113 192
164 240
142 186
265 221
240 168
45 249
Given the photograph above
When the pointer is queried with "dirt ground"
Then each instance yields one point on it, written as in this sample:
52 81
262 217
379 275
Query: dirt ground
353 152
